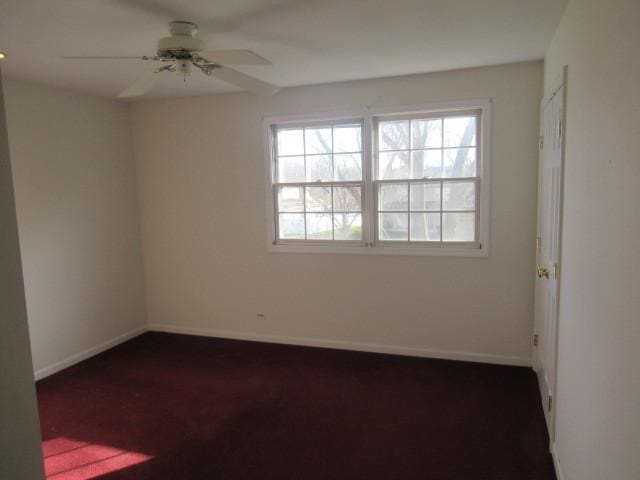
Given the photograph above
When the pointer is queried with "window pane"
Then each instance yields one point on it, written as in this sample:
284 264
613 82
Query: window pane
347 138
290 142
318 199
393 135
393 165
347 226
458 227
426 133
393 197
290 199
460 162
393 226
459 131
291 169
459 196
319 226
291 225
425 196
347 166
346 199
426 163
317 140
425 227
319 167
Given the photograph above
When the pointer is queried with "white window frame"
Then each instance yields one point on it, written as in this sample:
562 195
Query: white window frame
368 245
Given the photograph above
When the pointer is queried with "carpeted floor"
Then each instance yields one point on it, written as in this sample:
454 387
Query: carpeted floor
165 406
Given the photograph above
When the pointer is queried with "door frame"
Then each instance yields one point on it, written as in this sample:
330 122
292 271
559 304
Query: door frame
560 83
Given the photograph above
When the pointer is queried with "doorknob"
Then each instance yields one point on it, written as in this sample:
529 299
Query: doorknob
543 272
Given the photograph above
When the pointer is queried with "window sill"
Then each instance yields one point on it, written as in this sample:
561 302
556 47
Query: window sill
381 250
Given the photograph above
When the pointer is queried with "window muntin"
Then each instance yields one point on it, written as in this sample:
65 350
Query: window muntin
318 184
426 178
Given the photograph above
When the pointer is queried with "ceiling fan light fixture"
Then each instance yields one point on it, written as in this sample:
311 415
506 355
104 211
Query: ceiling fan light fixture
181 43
183 67
182 27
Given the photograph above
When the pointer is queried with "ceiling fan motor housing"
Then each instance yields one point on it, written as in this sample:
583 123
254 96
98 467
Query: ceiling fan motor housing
182 42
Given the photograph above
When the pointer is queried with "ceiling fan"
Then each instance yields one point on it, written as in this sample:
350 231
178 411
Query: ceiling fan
183 50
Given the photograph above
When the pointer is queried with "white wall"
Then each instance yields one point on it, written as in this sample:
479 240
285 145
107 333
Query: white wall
598 394
20 452
77 217
200 164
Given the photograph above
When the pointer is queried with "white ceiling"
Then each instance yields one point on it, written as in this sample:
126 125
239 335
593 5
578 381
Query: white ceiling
308 41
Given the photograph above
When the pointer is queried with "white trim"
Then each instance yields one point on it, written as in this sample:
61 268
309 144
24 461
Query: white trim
560 84
345 345
313 117
90 352
444 106
368 177
556 461
367 114
381 250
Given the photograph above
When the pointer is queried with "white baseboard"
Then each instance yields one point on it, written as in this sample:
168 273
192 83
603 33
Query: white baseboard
556 462
344 345
90 352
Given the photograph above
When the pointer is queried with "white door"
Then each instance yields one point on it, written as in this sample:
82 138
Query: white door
548 247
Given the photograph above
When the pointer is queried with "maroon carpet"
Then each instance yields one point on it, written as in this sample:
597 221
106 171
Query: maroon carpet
165 406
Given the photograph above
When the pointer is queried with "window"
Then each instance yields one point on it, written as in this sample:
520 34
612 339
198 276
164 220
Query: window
318 182
426 183
402 181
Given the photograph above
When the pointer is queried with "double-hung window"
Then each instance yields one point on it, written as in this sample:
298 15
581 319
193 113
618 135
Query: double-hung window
427 181
401 181
318 182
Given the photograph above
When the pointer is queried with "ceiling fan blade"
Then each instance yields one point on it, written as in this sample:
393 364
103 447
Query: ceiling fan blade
140 86
99 57
234 57
244 81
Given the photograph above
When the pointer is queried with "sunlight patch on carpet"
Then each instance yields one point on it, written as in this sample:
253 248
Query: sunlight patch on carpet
69 459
